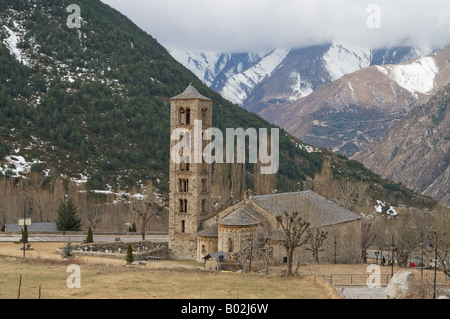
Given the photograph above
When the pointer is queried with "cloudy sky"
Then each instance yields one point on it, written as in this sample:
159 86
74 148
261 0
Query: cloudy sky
258 25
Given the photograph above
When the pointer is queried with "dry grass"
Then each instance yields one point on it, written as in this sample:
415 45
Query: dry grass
107 278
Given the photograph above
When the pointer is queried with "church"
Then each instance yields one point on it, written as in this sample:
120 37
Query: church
195 231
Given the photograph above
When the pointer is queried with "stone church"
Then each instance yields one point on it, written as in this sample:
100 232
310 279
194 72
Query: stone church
195 232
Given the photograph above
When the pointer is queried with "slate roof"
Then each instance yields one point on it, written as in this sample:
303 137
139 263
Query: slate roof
208 232
190 93
323 212
216 255
239 217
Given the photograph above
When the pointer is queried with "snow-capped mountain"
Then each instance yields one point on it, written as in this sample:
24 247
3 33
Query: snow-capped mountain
347 114
257 80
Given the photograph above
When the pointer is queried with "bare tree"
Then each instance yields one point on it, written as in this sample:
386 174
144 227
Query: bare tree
441 224
315 240
264 247
368 237
353 195
95 212
293 227
34 186
407 238
145 207
323 182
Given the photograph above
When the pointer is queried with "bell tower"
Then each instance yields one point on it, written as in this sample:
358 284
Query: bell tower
190 179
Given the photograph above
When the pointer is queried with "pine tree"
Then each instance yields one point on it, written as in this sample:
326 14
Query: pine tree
89 237
67 250
24 234
67 216
130 257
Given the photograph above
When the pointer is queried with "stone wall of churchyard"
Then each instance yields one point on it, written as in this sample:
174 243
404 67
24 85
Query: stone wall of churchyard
141 250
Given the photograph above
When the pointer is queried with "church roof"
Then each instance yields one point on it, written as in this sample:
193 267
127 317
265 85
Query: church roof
190 93
208 232
240 217
321 212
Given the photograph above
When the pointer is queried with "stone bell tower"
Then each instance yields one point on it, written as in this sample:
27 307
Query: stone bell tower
190 180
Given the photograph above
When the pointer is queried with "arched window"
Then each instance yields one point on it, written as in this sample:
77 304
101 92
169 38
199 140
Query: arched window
183 205
183 226
188 116
203 205
230 245
203 249
181 116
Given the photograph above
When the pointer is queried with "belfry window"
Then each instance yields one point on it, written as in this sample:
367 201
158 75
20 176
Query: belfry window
204 182
188 116
182 115
183 205
183 185
203 205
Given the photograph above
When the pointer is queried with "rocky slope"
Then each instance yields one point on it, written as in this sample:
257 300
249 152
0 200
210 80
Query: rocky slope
416 150
348 113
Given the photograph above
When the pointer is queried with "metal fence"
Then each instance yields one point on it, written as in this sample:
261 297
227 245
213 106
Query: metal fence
360 280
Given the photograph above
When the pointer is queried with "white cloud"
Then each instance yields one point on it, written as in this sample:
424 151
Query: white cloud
255 25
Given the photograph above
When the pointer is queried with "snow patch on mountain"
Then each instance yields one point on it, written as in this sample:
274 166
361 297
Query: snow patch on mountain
341 60
238 86
417 76
12 41
300 88
203 64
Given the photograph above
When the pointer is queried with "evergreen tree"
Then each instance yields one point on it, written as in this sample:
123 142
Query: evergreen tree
89 237
67 216
24 235
67 250
133 228
130 257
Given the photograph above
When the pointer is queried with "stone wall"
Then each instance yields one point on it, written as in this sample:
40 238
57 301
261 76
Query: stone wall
141 249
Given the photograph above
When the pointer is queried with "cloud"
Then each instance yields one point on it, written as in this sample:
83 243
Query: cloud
256 25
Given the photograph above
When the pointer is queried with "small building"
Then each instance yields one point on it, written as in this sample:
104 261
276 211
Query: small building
214 261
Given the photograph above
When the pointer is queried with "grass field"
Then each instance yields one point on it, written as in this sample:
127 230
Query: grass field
44 274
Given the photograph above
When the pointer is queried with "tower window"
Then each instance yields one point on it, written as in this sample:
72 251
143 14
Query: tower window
182 116
183 185
188 116
183 226
183 205
204 185
203 205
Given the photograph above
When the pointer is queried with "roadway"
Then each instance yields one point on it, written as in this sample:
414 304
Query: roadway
79 238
